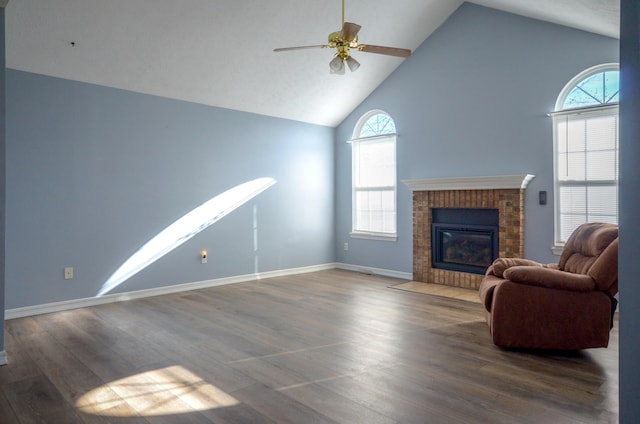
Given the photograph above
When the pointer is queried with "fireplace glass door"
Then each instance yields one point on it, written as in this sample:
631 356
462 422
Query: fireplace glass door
467 249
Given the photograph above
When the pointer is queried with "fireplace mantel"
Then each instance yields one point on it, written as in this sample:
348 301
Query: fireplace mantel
471 183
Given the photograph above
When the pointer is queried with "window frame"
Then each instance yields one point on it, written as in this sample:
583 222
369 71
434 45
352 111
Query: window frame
385 137
564 115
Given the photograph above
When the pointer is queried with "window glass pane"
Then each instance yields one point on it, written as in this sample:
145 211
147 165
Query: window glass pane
578 98
377 124
587 204
367 131
610 219
611 86
593 86
569 223
376 164
561 135
598 89
573 200
576 136
562 172
601 165
571 166
363 211
602 201
601 132
376 210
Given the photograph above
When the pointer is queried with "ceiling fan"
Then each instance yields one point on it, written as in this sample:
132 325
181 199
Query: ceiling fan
345 40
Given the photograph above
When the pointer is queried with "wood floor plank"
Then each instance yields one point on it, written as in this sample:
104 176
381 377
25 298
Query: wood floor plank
335 406
6 410
20 366
88 348
326 347
119 342
36 400
382 399
53 361
279 407
237 414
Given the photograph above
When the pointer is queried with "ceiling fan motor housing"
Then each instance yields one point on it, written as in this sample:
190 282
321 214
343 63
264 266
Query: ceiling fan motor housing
341 45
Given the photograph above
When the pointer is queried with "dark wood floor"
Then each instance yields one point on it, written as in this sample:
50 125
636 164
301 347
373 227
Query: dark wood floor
332 346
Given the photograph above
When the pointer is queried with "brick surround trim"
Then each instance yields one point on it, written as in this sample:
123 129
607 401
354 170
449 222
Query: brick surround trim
510 205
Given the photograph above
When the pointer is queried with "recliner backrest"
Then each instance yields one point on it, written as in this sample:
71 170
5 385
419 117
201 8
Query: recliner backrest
585 245
604 270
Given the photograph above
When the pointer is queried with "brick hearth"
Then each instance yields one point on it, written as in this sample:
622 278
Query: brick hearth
506 194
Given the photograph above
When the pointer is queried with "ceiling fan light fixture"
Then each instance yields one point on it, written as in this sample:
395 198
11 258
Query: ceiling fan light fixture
336 66
353 64
344 40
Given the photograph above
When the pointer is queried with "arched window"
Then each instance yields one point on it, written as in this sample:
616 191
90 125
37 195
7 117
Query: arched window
586 150
374 176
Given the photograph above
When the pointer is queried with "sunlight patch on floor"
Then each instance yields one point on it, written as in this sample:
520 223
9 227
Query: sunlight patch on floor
470 295
167 391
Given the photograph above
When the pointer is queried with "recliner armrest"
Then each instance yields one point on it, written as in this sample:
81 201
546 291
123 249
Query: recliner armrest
550 278
500 265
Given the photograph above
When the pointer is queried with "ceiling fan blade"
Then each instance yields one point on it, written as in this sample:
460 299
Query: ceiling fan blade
389 51
286 49
349 31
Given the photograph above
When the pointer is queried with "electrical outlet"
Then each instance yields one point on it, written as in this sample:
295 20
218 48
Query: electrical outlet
346 247
68 273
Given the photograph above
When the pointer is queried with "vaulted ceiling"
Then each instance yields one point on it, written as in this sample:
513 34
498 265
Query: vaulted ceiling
220 52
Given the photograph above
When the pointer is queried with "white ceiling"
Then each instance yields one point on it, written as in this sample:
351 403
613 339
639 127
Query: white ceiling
220 52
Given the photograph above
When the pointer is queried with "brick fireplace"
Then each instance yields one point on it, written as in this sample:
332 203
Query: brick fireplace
503 193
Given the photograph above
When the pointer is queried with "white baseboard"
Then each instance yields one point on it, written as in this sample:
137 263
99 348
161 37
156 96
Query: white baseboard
138 294
3 358
121 297
376 271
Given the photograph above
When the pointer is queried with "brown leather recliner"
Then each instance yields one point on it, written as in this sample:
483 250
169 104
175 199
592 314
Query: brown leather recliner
566 306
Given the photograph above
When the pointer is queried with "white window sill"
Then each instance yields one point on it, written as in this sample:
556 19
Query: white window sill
374 236
557 249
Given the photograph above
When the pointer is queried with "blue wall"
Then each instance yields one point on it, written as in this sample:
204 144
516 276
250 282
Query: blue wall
472 101
93 173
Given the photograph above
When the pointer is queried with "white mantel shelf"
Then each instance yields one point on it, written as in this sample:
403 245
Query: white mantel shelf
471 183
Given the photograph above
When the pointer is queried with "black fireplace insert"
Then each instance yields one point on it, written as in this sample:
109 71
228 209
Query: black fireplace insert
464 240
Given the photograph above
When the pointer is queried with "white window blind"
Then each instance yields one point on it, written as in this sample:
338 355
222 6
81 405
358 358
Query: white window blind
374 177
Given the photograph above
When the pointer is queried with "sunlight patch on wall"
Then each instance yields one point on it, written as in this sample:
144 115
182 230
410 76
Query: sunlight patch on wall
167 391
185 228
